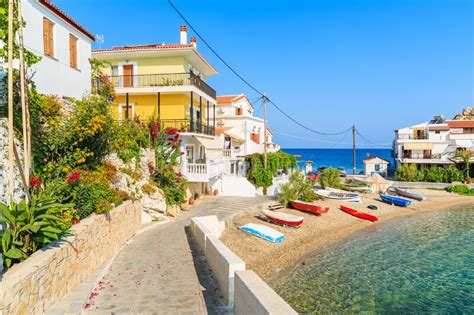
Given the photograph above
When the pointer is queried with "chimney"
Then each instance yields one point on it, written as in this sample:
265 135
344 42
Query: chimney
183 35
193 42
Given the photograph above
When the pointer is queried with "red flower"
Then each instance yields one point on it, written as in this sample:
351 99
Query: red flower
170 167
75 176
151 167
171 131
179 174
75 221
154 129
181 153
35 182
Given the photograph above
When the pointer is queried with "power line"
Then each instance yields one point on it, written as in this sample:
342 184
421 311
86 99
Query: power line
247 82
372 142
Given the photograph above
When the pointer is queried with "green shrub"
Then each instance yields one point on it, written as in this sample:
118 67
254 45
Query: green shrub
453 174
330 177
409 173
461 190
148 189
129 137
434 174
261 177
297 188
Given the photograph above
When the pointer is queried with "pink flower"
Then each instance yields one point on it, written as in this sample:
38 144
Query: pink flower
171 131
45 160
75 176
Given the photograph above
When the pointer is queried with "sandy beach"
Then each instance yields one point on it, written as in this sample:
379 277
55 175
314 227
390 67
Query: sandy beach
270 260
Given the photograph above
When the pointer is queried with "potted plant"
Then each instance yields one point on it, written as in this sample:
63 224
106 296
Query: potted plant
216 192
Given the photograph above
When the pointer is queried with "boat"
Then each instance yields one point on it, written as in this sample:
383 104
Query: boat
407 193
356 188
283 218
395 200
359 214
332 193
308 207
342 171
264 232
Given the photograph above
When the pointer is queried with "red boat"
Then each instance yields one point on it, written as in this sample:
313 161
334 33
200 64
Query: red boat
308 207
361 215
283 218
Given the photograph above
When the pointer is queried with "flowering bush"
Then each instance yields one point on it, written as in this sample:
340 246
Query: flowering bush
129 137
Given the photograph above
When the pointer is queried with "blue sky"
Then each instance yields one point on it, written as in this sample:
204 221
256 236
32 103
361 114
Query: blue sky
380 64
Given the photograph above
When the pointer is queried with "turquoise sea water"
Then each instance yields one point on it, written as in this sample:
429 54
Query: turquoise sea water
338 157
418 264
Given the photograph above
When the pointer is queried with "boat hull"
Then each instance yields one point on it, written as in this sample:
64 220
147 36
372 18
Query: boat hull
359 214
307 207
264 232
409 194
283 218
395 200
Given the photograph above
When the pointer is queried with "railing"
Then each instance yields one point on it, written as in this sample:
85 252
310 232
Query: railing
184 125
231 153
168 79
421 156
202 172
411 137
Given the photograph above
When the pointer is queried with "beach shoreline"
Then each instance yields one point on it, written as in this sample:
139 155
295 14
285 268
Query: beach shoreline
274 261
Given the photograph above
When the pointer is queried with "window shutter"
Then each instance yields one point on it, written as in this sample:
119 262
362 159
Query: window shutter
72 51
46 36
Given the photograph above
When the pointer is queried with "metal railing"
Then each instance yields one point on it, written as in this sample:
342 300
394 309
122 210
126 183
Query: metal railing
168 79
184 125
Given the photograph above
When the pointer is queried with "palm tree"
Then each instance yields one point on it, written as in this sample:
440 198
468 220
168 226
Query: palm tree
465 157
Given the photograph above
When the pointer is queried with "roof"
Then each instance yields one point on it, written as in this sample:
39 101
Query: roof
439 127
143 47
460 123
63 15
374 158
230 98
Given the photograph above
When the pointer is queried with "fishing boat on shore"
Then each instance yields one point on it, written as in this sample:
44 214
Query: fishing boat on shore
308 207
360 188
283 218
264 232
409 194
359 214
395 200
339 194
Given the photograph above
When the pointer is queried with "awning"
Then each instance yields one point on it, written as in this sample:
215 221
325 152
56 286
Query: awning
417 146
209 144
234 136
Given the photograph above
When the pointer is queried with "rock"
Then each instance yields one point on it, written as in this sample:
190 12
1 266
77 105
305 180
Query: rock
158 205
173 211
185 206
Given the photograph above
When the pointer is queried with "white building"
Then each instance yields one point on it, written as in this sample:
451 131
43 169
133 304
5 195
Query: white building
433 143
64 47
243 133
375 165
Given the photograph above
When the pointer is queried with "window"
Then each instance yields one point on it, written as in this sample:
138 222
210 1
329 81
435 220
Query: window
377 167
114 71
72 51
48 40
238 111
190 153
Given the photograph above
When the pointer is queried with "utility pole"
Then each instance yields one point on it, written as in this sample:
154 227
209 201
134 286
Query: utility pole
354 149
265 130
10 98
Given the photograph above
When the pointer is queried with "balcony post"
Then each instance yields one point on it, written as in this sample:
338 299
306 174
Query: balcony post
127 105
200 114
207 116
191 113
214 117
159 106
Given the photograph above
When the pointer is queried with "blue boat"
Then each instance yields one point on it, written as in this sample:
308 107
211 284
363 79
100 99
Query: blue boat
264 232
395 200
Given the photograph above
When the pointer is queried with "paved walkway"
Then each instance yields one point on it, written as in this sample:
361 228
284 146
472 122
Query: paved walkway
159 271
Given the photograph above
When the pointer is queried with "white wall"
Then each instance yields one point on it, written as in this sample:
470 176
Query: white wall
55 76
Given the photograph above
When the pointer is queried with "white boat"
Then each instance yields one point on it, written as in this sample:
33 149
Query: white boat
409 194
337 194
283 218
264 232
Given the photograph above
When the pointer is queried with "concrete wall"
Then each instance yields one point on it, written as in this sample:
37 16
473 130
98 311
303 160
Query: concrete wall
236 186
249 294
54 75
33 286
254 296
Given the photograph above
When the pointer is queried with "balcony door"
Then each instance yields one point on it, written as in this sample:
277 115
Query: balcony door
127 75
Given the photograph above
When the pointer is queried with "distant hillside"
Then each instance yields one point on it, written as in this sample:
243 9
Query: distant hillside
467 114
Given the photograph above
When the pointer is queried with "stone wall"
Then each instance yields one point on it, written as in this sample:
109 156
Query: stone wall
34 285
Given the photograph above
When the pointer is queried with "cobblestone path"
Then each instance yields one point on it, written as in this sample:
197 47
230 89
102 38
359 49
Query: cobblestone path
159 271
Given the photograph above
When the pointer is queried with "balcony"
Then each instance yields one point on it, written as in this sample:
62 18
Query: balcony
231 153
161 80
202 172
185 125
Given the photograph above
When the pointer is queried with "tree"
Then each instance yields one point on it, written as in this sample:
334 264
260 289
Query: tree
465 157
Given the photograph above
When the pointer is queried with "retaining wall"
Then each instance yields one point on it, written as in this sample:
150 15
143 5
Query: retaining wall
248 294
33 286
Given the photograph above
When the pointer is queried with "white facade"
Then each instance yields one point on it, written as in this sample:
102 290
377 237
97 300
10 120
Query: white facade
375 165
433 143
54 75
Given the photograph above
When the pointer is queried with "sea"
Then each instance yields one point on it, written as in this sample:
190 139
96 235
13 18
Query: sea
420 264
338 157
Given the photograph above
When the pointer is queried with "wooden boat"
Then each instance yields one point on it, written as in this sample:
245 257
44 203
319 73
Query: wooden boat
359 214
339 194
264 232
395 200
407 193
356 188
308 207
283 218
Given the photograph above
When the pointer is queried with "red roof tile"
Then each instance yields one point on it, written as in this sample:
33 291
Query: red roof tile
51 6
145 47
229 98
460 123
373 158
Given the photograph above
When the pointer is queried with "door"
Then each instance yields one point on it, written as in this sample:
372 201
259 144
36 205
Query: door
127 75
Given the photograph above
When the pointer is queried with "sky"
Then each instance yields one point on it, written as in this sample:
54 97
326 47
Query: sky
379 65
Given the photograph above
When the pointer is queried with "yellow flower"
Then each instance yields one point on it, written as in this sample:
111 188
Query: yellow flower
65 169
81 160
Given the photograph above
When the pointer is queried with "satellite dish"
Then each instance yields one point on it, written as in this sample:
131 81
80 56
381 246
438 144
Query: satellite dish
99 38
